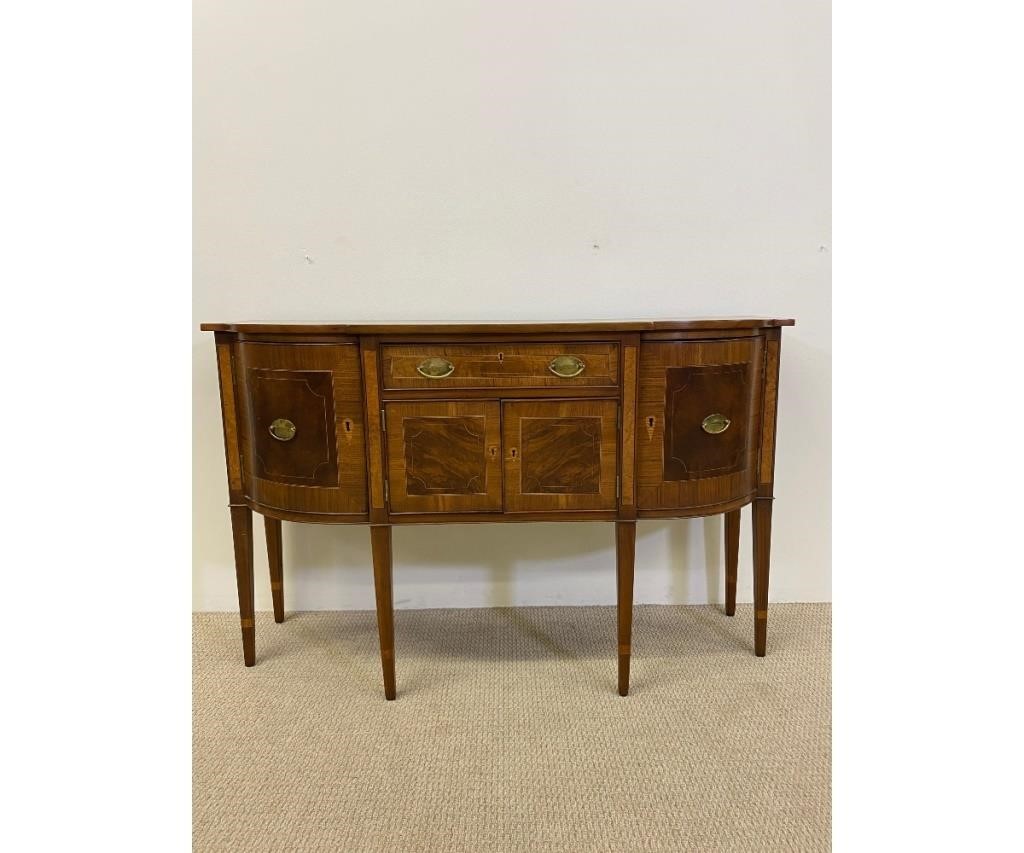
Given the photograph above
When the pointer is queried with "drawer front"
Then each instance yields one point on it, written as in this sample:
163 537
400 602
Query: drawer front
302 427
444 456
560 454
698 422
554 365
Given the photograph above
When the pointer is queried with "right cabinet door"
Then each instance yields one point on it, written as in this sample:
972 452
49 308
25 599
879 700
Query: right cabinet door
559 454
698 423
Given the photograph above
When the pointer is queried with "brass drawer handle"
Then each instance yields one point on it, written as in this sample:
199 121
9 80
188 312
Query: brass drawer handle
435 368
714 424
567 366
283 429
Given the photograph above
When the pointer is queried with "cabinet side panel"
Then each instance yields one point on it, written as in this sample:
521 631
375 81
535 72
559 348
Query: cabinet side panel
773 351
229 414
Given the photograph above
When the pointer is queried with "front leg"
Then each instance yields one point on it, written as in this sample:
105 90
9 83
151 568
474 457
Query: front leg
241 531
380 542
625 550
762 558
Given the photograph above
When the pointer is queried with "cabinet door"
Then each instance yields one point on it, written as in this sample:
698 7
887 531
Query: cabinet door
560 454
698 422
444 456
302 427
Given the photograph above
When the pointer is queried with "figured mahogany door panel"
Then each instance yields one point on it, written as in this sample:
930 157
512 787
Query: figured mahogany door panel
444 456
293 426
565 364
707 416
698 422
302 427
560 454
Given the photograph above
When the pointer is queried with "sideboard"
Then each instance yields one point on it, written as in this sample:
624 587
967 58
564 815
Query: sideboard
413 424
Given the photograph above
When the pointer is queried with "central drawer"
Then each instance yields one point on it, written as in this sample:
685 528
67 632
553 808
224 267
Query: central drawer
529 365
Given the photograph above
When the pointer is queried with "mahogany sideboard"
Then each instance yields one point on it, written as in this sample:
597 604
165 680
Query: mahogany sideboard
409 424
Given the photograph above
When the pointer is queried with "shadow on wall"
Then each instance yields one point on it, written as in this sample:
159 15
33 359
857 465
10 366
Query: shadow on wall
500 565
479 565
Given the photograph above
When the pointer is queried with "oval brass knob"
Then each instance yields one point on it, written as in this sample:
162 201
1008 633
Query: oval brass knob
714 424
283 429
567 366
435 367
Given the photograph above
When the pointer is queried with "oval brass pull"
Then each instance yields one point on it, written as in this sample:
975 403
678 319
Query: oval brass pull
435 367
714 424
567 366
283 429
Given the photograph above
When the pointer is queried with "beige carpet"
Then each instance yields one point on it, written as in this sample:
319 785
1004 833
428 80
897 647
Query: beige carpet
508 735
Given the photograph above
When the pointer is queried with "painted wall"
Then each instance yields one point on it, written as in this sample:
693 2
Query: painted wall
556 160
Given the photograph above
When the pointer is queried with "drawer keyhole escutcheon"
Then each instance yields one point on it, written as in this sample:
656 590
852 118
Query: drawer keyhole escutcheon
283 429
715 424
435 367
567 366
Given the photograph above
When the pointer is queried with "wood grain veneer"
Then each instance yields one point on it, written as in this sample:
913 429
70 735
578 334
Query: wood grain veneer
500 365
559 454
689 380
444 456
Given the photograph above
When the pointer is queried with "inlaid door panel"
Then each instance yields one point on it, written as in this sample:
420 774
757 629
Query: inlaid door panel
698 422
302 427
700 439
559 454
444 456
299 448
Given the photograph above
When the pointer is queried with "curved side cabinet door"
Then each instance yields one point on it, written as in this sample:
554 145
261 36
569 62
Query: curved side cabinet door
302 427
698 427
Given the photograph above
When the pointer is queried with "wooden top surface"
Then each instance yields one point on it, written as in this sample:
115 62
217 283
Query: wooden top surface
586 326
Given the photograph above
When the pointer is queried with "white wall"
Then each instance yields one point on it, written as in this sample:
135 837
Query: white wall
543 160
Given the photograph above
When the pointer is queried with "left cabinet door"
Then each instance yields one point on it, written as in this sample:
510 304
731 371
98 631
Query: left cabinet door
302 427
444 456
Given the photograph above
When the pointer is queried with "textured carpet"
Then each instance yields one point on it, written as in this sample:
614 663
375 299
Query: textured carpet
508 735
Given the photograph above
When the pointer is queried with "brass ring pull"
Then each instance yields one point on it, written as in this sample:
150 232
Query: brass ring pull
567 366
714 424
435 367
283 429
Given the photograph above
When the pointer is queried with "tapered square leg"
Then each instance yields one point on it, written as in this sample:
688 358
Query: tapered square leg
241 531
275 556
732 559
625 551
380 541
762 558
